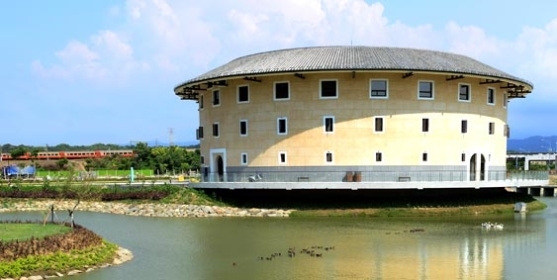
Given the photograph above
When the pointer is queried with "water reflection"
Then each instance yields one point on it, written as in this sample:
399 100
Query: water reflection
230 248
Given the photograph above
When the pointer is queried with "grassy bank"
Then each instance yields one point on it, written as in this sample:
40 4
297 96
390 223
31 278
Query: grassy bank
60 249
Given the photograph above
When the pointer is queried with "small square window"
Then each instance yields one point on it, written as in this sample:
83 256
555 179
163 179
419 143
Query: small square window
216 97
464 92
282 126
328 157
243 128
379 89
378 124
282 157
425 90
491 128
329 123
282 90
216 130
425 125
464 126
244 158
378 157
424 157
243 94
328 89
490 96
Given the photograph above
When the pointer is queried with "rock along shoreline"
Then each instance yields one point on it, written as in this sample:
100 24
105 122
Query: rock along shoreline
143 209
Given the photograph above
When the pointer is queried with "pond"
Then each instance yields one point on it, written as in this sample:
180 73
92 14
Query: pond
343 248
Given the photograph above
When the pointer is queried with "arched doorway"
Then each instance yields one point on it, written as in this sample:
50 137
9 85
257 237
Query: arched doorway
220 168
472 169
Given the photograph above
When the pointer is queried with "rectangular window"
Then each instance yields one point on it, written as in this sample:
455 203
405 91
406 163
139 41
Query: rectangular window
216 129
243 128
244 158
216 97
425 90
200 133
379 89
282 90
491 128
424 157
463 157
505 100
425 125
328 89
202 159
378 157
507 131
490 96
378 124
201 101
243 94
463 92
329 124
464 126
329 157
282 126
282 157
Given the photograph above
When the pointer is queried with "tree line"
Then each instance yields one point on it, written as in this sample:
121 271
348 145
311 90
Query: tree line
161 159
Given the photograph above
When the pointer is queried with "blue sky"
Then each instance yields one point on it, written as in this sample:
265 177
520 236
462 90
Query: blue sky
84 72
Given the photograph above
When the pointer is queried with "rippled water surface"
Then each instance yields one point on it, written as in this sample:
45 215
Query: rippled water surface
364 248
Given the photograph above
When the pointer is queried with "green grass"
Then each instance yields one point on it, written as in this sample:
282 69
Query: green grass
59 262
16 231
99 173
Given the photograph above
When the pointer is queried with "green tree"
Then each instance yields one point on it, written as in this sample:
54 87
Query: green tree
18 152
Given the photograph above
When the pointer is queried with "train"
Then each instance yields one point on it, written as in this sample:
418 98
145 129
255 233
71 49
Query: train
71 155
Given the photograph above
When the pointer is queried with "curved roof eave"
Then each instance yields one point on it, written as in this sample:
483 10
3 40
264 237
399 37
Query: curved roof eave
348 58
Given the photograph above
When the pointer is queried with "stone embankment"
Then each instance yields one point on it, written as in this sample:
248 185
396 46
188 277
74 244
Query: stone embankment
146 209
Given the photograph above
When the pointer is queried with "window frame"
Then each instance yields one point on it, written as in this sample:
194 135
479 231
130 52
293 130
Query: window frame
244 158
432 83
371 96
325 118
463 157
201 102
468 94
425 157
491 93
425 125
217 130
505 100
327 161
239 94
321 89
382 122
199 133
378 156
216 101
246 128
280 158
275 90
285 119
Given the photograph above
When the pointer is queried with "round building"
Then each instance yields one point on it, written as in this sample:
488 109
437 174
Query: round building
345 114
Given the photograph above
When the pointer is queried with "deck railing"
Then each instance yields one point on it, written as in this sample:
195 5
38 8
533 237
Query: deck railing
374 176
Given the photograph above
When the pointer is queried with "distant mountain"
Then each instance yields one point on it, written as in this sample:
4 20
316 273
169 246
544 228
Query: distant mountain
534 144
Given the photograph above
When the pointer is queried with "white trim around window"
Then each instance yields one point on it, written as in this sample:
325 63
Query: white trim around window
282 126
464 92
505 100
491 94
425 93
328 124
244 158
282 85
245 132
282 158
379 124
379 89
216 98
336 93
329 157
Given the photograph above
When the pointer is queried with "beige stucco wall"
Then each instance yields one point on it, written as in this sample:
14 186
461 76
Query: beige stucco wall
354 141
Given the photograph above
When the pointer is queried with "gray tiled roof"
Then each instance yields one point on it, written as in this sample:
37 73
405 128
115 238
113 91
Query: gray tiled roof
351 58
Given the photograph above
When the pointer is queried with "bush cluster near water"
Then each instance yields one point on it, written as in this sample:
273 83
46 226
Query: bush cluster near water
76 249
